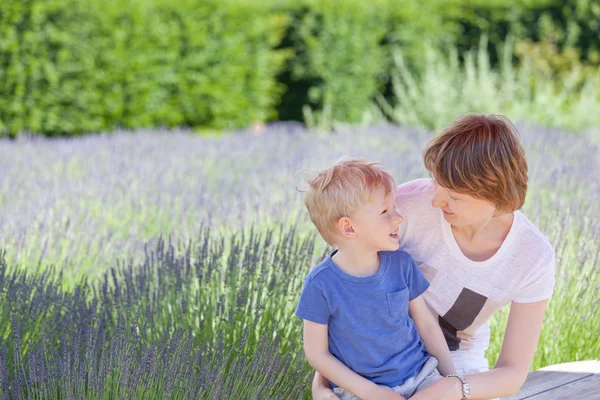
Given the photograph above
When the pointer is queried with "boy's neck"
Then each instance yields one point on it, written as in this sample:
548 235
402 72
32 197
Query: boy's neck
357 263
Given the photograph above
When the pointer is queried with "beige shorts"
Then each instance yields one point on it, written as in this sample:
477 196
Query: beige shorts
425 377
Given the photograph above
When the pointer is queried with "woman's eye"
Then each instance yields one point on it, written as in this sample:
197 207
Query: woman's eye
383 212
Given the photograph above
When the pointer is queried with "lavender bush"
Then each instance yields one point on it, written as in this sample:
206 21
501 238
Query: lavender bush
178 259
161 329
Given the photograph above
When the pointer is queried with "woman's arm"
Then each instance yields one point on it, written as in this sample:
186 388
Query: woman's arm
518 347
317 353
431 334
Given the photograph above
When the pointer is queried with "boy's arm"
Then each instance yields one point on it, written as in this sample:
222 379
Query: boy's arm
431 334
316 348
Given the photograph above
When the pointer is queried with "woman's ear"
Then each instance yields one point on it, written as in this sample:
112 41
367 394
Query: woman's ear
344 226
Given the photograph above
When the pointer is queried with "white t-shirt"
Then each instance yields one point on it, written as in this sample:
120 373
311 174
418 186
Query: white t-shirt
464 294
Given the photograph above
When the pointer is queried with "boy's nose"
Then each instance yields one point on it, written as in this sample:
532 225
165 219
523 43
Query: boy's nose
398 218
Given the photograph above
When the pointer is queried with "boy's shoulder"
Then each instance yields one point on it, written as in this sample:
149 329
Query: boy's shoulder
319 272
400 264
398 256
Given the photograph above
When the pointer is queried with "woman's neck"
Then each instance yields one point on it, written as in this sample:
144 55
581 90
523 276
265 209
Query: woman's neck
481 242
493 229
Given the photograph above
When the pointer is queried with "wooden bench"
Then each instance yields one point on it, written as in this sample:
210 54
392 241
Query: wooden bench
577 380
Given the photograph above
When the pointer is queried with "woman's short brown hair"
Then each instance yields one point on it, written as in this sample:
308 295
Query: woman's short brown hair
481 156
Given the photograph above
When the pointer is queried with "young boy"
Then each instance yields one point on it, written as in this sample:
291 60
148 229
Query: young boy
366 325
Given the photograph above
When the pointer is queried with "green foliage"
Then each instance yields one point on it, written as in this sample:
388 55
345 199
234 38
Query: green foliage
570 24
75 66
556 36
447 88
546 76
339 58
48 73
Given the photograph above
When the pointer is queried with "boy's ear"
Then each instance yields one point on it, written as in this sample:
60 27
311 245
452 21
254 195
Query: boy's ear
344 226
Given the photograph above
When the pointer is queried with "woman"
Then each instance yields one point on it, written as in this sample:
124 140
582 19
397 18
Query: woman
478 252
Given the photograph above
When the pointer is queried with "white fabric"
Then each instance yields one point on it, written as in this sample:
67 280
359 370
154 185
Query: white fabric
522 270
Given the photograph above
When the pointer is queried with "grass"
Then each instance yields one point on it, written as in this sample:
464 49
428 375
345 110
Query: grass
179 259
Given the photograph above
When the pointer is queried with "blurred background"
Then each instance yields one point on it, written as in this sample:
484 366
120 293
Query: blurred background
70 67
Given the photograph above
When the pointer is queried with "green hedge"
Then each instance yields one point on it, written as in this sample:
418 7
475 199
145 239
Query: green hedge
73 66
76 66
338 52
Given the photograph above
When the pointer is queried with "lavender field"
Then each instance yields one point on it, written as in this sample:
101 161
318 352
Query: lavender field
168 265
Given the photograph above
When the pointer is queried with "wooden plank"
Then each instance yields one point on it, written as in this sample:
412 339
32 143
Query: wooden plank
576 380
541 381
586 388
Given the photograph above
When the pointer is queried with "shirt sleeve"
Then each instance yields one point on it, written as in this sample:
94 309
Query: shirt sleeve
416 282
312 305
540 286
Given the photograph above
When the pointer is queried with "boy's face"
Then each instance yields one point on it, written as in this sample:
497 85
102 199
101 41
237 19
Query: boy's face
376 224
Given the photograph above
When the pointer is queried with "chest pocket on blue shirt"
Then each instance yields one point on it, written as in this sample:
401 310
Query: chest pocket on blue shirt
398 303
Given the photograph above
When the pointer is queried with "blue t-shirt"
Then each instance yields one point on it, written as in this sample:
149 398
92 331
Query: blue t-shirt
370 330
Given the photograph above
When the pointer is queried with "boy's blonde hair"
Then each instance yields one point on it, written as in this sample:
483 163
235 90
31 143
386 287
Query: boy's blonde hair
340 190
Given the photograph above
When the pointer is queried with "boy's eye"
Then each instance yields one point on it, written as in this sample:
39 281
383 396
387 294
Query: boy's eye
384 211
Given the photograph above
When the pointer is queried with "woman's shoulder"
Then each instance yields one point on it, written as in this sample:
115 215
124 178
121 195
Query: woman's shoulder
415 187
532 241
534 262
415 196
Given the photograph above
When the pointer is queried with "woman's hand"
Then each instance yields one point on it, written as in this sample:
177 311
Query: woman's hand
444 389
321 390
385 393
323 393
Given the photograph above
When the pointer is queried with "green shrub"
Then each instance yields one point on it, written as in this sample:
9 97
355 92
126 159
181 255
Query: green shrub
339 59
570 25
447 88
74 66
48 73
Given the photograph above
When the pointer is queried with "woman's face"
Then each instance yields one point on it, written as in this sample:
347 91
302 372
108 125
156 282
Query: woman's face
461 209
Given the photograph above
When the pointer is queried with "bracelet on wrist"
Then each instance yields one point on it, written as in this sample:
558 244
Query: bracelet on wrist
466 388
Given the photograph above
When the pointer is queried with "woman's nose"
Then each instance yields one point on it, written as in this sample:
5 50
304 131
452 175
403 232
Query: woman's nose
439 198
